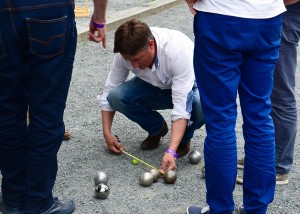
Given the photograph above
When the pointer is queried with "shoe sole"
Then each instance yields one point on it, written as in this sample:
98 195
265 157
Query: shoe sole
239 180
240 166
282 182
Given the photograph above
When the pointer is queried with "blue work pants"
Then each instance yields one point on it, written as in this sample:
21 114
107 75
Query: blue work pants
237 56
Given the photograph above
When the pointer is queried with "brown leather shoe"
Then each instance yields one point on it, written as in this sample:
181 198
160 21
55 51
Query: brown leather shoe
183 149
152 142
67 135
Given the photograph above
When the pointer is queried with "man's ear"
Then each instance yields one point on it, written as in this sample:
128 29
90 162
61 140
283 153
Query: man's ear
151 43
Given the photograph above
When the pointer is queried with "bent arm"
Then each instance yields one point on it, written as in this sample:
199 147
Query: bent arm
97 34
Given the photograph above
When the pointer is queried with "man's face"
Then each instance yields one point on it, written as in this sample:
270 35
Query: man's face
143 58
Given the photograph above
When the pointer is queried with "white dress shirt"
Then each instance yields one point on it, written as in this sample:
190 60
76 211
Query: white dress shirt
173 69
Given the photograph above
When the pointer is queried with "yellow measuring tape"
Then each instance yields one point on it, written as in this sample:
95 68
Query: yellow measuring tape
142 161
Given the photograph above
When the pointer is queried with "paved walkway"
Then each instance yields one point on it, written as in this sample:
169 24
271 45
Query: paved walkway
117 15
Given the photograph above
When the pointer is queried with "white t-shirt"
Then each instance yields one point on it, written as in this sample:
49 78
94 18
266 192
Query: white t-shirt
173 69
253 9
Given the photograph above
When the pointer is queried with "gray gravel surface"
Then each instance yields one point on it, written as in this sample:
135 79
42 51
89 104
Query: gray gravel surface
86 152
80 157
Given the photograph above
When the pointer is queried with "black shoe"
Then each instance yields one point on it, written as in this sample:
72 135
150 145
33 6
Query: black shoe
152 142
9 209
59 207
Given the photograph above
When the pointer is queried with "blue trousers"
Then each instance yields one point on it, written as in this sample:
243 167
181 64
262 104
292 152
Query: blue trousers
37 48
284 106
139 100
237 56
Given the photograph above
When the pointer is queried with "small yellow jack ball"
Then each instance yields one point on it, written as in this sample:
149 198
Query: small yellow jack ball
135 161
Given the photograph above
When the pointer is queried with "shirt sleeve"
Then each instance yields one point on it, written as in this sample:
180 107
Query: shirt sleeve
183 82
117 75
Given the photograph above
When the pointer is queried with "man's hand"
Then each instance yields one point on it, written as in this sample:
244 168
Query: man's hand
113 143
97 34
168 163
190 4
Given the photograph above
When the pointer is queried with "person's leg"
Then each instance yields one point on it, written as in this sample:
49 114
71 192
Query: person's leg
38 77
138 101
217 75
258 129
284 106
13 107
47 94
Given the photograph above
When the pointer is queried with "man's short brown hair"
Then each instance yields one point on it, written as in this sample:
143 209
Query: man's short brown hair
132 37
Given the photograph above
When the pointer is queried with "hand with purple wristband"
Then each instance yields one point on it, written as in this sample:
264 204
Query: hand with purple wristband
168 150
96 25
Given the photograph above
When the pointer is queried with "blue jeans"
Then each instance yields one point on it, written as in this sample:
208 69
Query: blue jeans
237 55
139 100
37 47
284 106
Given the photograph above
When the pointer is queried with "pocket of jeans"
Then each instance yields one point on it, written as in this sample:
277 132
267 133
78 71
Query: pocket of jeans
47 37
2 50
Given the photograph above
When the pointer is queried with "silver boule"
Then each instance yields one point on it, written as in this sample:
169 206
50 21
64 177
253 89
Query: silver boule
100 177
102 191
170 176
194 157
155 174
146 179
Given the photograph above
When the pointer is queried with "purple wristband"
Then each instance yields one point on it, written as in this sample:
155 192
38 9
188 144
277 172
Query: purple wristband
168 150
98 25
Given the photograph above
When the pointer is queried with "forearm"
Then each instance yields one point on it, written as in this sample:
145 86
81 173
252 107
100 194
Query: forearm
177 132
100 10
107 119
288 2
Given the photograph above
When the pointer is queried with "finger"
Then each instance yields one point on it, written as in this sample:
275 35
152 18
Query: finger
163 166
104 42
172 166
115 150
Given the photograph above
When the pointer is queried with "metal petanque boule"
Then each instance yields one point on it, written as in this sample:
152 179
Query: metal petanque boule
155 174
146 179
170 176
102 191
100 177
194 157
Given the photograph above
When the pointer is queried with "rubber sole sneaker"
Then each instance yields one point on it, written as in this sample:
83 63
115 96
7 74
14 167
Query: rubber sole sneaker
239 179
197 210
281 179
240 163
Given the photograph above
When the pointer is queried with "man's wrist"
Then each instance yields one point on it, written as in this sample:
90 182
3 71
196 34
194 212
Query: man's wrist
98 25
168 150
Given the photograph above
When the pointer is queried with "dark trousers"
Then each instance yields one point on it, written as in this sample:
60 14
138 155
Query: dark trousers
284 106
37 48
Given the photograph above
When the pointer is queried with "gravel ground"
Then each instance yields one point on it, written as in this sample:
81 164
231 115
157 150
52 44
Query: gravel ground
84 154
